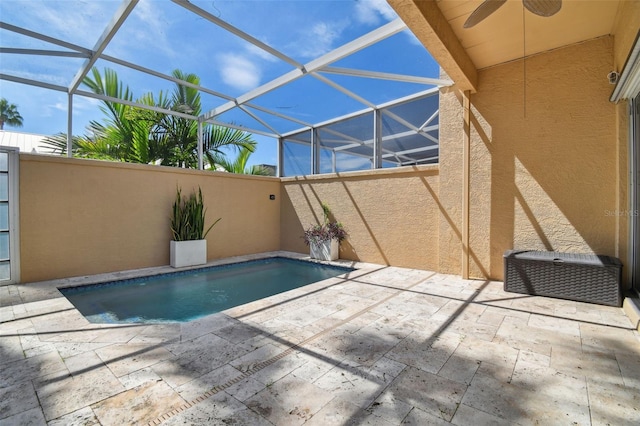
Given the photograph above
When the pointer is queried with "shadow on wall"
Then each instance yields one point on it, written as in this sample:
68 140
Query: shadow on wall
544 159
452 225
291 227
292 221
389 216
366 225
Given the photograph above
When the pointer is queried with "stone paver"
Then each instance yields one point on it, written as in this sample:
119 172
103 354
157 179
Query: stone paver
383 346
17 399
289 401
137 405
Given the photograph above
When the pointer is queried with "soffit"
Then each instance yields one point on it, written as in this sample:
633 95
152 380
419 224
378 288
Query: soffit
512 32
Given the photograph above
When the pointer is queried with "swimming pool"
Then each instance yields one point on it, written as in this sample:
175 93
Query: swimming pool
187 295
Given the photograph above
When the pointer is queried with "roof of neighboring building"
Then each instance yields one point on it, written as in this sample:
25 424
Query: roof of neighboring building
27 142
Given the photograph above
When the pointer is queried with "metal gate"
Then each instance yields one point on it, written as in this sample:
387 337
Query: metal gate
9 249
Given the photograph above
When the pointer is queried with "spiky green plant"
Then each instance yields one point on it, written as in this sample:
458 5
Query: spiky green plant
326 212
188 217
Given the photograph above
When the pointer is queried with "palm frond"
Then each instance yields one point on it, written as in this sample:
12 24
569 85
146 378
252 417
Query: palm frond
186 99
217 137
239 165
57 144
169 139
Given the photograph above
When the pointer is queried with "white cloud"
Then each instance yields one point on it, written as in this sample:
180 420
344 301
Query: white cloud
346 162
373 11
238 71
46 77
83 22
150 15
254 50
59 15
319 39
60 106
80 103
153 28
242 69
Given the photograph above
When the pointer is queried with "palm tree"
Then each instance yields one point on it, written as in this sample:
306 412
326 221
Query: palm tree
57 144
215 138
137 135
81 146
124 134
239 165
9 114
179 136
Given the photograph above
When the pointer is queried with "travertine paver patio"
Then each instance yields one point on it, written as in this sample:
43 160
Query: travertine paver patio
381 346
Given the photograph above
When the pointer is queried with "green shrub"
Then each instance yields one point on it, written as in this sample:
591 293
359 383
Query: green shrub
329 230
188 217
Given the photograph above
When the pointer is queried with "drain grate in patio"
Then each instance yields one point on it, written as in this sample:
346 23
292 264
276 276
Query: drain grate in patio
262 365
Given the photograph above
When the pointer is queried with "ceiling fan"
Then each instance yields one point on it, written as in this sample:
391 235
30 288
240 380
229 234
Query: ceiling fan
539 7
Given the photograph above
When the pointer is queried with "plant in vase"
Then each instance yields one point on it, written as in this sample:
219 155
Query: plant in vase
324 240
189 246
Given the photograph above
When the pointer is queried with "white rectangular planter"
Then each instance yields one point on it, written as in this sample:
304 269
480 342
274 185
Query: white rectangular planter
188 253
327 250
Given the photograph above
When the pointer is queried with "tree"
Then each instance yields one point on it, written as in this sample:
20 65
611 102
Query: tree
138 135
178 136
125 132
239 165
9 114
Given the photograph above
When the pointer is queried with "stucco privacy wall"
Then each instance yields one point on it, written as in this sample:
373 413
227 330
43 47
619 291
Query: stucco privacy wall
625 31
391 214
544 161
82 217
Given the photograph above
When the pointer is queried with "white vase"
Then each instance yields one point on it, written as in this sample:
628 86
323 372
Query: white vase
327 250
188 253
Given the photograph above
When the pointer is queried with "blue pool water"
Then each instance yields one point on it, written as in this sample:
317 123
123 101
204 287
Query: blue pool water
185 296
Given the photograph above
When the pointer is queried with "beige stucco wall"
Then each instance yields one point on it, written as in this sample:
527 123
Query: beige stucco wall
85 217
391 215
548 171
544 161
625 31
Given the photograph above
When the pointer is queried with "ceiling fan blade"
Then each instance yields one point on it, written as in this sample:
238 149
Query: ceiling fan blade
544 8
484 10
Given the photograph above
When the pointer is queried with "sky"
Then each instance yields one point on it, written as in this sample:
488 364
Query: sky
163 36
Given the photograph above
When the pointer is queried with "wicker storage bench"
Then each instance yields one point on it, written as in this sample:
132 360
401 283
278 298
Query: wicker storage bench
580 277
